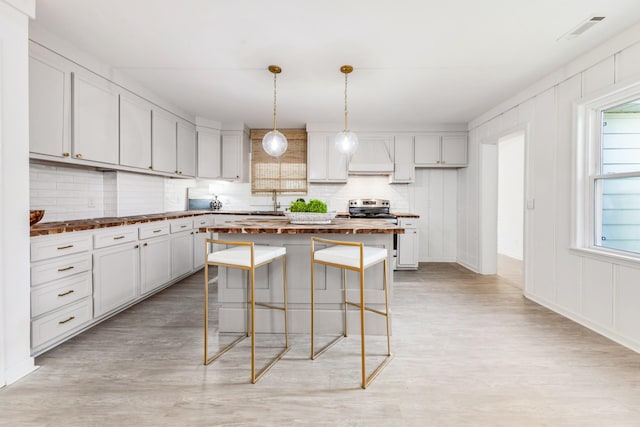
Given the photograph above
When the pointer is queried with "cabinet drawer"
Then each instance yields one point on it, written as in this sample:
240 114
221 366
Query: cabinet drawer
60 293
60 322
154 230
115 237
202 221
181 225
67 244
60 268
408 222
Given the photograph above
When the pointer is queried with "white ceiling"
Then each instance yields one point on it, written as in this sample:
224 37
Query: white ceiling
417 62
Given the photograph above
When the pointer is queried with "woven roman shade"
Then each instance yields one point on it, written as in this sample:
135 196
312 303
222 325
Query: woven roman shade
286 174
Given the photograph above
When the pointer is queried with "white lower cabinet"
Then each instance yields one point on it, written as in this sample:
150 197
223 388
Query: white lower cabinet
56 325
407 250
79 278
155 263
116 277
61 287
181 254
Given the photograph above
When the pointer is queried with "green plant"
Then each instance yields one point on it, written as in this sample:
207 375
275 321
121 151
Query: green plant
298 206
316 205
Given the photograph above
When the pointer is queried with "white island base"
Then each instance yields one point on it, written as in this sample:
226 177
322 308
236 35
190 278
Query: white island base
232 287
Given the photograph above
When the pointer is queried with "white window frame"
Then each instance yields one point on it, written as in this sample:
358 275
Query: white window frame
587 168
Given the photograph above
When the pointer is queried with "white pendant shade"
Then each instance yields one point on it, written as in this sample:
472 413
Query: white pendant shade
274 143
346 142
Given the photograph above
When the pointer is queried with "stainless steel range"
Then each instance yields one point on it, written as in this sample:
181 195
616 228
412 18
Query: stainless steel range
375 209
371 209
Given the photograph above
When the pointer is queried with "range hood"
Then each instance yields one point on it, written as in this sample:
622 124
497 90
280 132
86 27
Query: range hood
373 157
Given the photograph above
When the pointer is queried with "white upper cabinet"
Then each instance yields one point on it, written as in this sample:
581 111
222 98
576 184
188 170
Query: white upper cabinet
235 156
403 169
324 163
427 150
95 118
209 155
164 142
49 107
135 132
440 150
186 150
454 150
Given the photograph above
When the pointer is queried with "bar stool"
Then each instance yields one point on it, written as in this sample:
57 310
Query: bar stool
352 256
245 256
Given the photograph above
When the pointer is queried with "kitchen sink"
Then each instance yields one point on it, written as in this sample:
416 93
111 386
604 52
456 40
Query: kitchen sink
271 213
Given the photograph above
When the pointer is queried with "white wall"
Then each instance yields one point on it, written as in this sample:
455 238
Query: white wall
598 292
511 196
15 360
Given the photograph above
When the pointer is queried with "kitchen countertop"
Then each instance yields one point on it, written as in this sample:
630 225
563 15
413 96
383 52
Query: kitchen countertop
57 227
283 226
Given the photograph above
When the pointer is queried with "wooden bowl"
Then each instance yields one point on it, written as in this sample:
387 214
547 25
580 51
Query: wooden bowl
35 216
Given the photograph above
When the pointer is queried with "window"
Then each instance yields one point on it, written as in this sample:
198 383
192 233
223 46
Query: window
609 173
286 174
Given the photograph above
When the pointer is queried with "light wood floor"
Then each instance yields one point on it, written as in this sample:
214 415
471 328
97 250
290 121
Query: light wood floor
469 351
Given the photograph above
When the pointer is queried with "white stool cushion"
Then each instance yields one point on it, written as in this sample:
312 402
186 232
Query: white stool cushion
350 255
241 255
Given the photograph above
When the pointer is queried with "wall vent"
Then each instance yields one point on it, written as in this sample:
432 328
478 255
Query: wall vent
583 26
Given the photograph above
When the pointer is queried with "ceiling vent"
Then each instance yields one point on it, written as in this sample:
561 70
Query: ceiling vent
582 27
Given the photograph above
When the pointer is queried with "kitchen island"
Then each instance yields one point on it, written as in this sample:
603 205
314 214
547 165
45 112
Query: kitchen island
296 238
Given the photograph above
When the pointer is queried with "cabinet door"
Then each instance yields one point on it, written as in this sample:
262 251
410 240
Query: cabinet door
164 140
337 164
186 150
408 248
208 155
155 263
181 254
317 157
403 169
116 277
95 119
454 150
48 109
324 163
135 132
426 149
198 249
231 156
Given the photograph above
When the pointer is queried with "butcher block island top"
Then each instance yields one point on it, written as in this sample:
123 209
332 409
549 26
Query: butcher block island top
283 226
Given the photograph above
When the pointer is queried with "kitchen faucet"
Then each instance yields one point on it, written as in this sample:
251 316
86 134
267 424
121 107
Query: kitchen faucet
274 198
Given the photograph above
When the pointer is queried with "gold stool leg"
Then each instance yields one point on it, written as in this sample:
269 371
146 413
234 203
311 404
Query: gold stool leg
362 342
206 309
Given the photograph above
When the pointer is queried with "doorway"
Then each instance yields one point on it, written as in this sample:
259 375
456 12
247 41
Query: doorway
510 212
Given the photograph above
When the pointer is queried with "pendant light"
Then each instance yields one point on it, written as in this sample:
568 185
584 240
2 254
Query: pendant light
274 143
346 141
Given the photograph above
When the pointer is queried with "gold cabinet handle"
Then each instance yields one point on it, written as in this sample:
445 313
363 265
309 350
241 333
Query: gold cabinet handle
118 237
66 268
64 247
62 322
183 226
66 293
177 171
65 154
146 244
150 167
136 246
79 156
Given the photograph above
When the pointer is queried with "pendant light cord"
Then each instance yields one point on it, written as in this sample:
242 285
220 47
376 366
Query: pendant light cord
275 75
346 112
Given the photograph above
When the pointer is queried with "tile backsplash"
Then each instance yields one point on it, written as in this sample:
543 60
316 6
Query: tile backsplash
67 193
